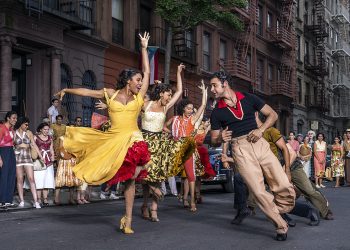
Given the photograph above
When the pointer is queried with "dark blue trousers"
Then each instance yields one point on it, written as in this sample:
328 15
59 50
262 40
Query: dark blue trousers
7 174
241 192
113 188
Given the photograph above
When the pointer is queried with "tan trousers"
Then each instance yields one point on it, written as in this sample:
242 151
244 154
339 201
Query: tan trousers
253 162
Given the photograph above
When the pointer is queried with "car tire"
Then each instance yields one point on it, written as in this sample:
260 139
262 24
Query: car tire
229 185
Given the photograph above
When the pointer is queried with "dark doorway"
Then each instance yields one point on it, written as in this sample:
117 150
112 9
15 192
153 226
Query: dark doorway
18 98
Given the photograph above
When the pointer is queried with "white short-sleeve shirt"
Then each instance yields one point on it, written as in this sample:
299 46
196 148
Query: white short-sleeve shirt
53 111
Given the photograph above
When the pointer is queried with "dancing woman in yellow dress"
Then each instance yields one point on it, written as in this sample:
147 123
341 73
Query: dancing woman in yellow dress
117 154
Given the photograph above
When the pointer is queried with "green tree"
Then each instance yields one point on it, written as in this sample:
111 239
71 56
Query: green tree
186 14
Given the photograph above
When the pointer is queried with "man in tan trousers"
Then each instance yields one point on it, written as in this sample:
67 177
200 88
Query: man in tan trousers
235 114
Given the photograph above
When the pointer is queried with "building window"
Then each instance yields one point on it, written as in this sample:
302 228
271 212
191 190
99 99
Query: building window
300 92
117 21
298 48
249 64
260 20
270 73
300 124
88 103
260 70
86 11
307 52
298 9
145 18
223 51
269 20
206 51
68 100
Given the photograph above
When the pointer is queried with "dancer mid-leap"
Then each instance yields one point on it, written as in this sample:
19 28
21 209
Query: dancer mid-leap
117 154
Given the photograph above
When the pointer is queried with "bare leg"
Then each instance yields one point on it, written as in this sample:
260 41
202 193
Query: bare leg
30 177
186 191
129 194
144 208
38 192
336 181
316 180
45 194
19 174
154 208
57 195
192 185
198 190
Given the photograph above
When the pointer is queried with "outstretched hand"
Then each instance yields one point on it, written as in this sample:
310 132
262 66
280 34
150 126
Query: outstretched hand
144 39
203 87
60 94
100 105
180 68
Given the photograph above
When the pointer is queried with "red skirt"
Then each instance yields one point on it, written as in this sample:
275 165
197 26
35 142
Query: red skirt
137 155
204 157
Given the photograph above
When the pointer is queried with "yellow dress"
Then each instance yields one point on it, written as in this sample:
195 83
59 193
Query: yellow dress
101 154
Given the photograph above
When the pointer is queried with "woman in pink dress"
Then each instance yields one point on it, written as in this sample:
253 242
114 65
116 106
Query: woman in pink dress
320 151
293 142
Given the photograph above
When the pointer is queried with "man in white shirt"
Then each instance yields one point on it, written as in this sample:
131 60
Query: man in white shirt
52 112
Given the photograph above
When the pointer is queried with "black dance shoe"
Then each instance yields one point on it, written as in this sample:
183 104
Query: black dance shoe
241 215
314 218
281 237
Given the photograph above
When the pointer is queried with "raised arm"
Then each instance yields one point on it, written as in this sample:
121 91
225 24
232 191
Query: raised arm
203 105
82 92
145 63
179 88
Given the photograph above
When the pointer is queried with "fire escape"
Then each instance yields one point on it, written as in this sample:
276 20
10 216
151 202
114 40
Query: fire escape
315 25
282 35
341 53
79 14
240 67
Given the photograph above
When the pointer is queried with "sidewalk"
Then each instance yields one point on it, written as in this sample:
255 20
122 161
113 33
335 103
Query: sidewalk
64 198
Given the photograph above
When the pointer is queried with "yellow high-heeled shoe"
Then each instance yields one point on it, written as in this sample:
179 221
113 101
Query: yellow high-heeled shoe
123 227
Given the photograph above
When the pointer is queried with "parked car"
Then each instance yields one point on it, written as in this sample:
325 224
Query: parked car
223 176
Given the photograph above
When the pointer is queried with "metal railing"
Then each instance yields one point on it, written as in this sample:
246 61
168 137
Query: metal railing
181 46
341 14
280 35
342 48
80 12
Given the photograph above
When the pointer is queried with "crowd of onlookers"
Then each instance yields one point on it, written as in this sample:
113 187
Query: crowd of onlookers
321 161
36 161
42 164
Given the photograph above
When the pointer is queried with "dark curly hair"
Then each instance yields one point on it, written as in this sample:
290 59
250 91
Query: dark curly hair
160 88
181 106
125 76
41 126
318 134
9 114
222 76
21 121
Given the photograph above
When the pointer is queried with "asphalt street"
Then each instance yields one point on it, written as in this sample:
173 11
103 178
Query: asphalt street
95 226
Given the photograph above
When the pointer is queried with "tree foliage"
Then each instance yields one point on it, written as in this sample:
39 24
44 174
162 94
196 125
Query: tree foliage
189 13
